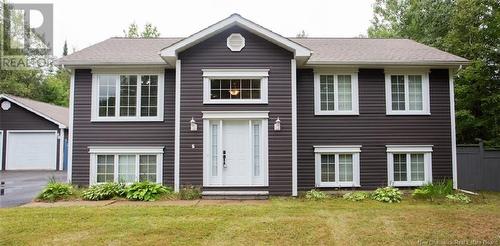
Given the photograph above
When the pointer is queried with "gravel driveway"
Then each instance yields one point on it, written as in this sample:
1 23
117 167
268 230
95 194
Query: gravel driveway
22 186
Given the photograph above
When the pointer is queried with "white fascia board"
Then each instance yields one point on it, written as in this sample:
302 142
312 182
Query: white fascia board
234 20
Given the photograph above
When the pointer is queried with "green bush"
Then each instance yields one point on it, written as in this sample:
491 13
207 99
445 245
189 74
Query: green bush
104 191
459 197
387 194
356 196
435 190
146 191
316 195
190 193
55 191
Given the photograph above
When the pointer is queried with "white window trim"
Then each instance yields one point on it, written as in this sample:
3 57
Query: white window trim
1 148
425 92
409 149
262 74
95 97
355 150
354 92
124 150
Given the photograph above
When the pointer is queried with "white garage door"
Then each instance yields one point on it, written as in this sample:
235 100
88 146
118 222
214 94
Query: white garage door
31 150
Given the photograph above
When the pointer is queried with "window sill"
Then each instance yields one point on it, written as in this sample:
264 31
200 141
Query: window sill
123 119
408 183
346 113
407 113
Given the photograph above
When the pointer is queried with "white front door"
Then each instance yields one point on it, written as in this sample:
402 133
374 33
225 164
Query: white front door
235 154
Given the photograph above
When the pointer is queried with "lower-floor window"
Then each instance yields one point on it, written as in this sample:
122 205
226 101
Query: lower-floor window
409 165
127 167
337 166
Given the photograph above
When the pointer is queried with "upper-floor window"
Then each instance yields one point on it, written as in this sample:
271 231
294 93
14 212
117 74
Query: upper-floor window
235 86
407 92
127 97
336 93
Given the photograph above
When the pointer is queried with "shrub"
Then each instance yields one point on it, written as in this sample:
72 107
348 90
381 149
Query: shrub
459 197
190 193
435 190
55 191
387 194
146 191
316 195
104 191
356 196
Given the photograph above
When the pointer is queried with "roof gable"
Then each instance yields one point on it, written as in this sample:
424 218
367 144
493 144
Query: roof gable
169 54
55 114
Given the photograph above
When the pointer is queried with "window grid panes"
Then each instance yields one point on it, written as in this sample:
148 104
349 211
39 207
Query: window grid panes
398 92
417 167
256 150
149 95
415 92
126 168
107 96
344 92
128 95
235 89
399 167
345 168
328 168
105 168
147 168
214 147
327 92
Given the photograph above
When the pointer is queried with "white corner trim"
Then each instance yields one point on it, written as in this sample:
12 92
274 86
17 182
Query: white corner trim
177 126
235 114
235 72
70 133
354 91
426 110
59 124
126 149
294 127
234 20
1 149
337 148
117 118
453 130
409 148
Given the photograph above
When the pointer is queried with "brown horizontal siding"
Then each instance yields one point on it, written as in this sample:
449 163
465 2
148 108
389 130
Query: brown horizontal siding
372 128
19 118
258 53
87 133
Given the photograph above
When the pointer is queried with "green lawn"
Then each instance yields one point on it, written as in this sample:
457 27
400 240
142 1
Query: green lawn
282 221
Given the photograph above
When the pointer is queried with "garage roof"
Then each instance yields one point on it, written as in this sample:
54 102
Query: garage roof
57 114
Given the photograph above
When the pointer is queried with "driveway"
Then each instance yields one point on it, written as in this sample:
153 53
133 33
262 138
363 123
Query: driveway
22 186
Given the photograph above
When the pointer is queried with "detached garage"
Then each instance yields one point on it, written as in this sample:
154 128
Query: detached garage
32 134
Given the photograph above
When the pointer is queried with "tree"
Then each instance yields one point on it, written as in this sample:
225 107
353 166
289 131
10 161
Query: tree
468 28
149 31
65 48
302 34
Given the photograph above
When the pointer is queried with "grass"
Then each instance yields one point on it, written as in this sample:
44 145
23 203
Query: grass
282 221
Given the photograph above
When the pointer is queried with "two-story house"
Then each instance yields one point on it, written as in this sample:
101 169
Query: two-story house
238 109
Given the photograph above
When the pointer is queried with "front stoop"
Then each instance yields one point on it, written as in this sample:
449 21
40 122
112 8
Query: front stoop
235 195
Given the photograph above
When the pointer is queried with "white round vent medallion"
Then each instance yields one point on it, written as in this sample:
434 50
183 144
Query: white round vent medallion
235 42
5 105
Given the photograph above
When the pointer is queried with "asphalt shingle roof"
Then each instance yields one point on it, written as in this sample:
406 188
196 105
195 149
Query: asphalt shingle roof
54 112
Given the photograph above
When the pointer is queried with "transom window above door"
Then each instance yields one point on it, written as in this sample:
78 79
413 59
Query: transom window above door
336 93
235 86
407 92
127 97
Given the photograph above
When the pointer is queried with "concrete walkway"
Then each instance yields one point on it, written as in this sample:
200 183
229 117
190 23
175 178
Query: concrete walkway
115 203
